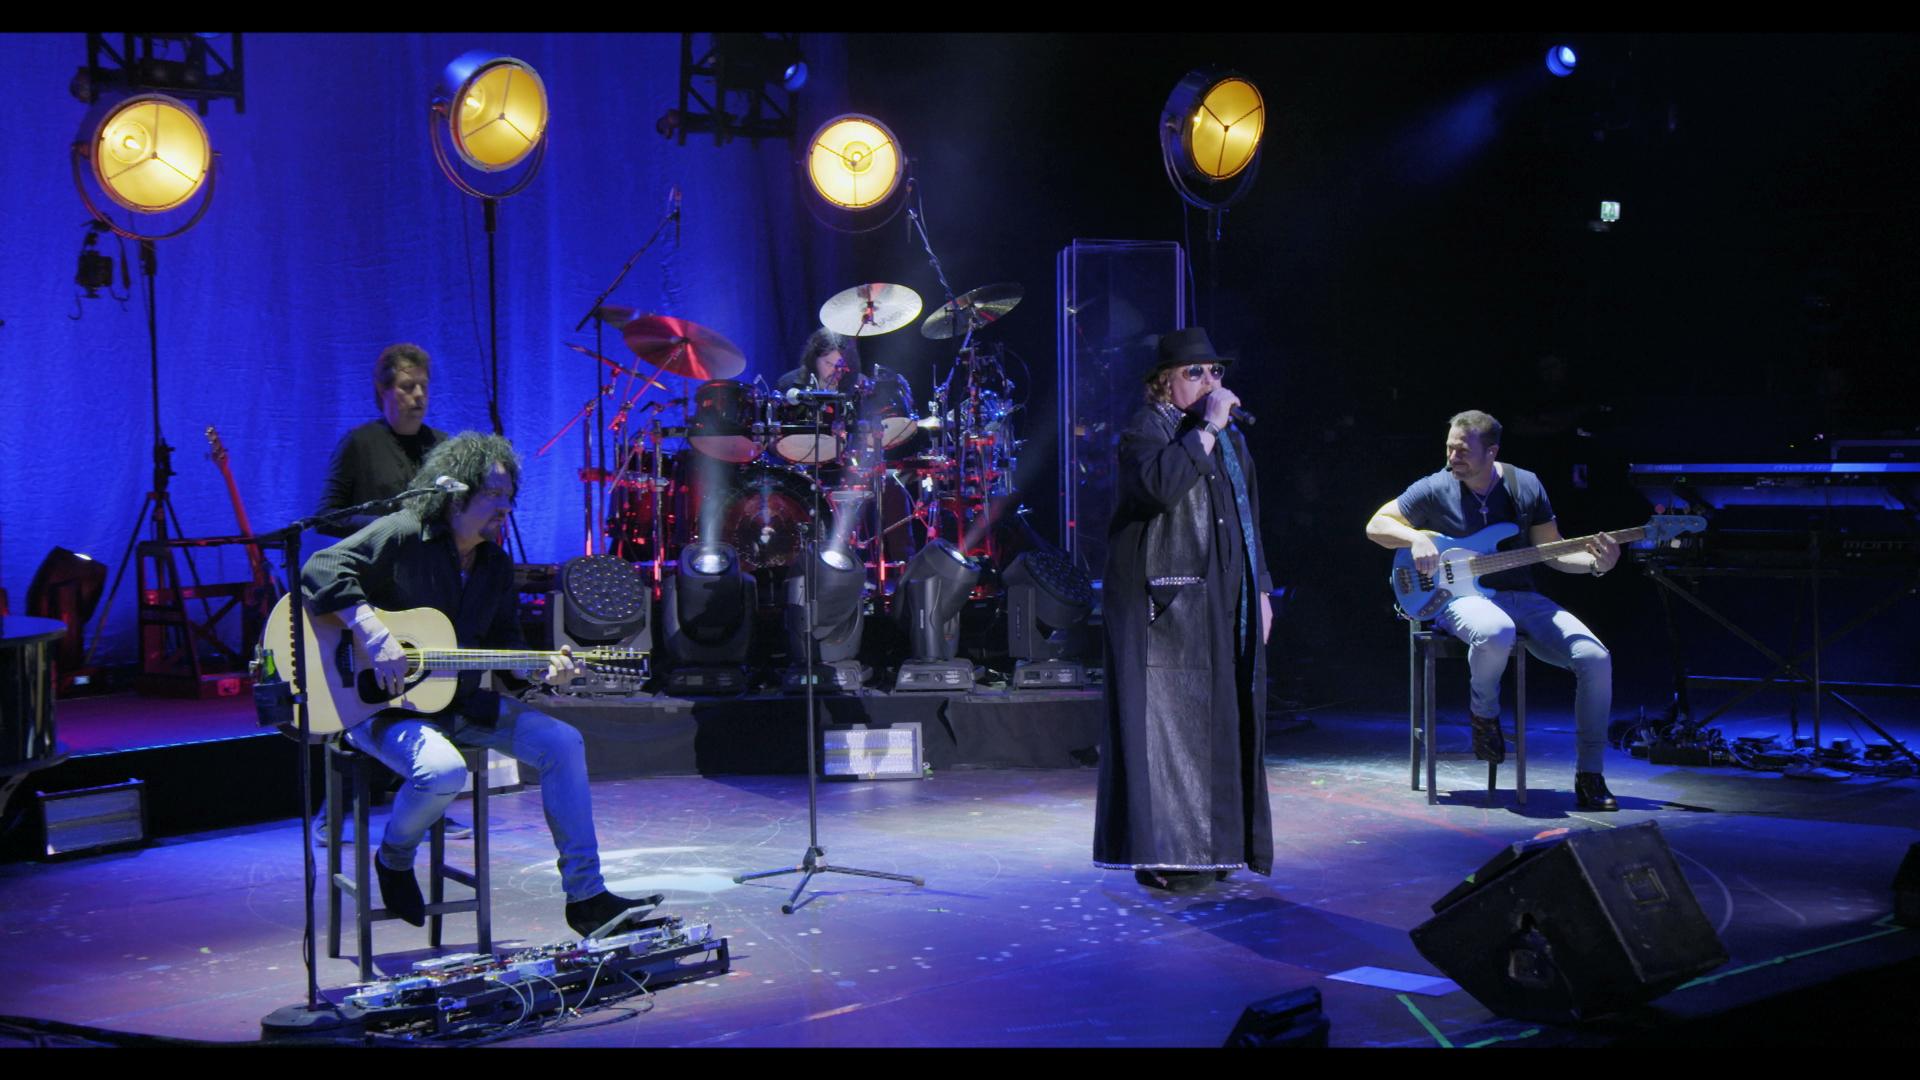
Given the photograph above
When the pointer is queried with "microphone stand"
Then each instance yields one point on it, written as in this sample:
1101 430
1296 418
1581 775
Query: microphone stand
316 1014
600 375
814 861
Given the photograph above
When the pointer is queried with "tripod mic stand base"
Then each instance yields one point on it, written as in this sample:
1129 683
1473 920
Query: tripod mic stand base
814 862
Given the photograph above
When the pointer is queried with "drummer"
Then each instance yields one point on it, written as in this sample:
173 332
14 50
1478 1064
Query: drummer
829 362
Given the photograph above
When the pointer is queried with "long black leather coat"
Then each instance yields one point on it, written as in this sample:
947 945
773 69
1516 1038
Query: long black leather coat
1182 778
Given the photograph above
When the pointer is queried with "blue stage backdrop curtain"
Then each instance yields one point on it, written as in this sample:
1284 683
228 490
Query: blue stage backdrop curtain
333 234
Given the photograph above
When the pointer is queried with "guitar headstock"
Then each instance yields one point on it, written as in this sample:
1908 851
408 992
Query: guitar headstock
1662 528
213 439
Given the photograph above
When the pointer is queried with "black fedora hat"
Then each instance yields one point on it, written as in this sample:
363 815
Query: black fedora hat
1182 347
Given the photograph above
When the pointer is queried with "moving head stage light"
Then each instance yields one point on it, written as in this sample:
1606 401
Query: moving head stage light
840 581
706 620
1048 603
927 604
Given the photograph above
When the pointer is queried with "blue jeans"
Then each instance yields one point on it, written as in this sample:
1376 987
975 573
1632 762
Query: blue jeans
1488 625
433 773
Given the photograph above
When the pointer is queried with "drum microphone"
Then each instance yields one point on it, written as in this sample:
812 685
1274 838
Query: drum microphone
795 395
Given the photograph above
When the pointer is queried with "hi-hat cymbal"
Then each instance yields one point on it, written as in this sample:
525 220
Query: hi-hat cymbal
971 311
582 349
614 315
866 310
681 347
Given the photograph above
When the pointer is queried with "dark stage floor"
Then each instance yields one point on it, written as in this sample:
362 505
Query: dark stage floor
1015 940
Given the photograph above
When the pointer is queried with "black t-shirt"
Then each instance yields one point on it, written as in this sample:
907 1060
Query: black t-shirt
1441 503
372 462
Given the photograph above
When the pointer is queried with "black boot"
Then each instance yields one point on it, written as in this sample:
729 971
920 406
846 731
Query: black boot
590 916
1488 743
400 894
1590 792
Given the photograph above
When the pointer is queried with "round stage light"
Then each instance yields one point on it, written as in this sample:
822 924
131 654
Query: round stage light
1561 60
854 162
150 153
1225 129
495 108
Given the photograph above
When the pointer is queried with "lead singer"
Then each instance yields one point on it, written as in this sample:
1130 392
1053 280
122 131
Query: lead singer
1183 784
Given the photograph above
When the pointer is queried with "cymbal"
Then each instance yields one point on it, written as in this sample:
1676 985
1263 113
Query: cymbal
866 310
970 311
582 349
614 315
682 347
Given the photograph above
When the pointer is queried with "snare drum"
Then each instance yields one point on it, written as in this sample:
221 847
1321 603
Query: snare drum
726 421
804 440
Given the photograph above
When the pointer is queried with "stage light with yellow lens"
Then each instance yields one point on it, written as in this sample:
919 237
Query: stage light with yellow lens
854 162
495 109
1210 136
150 153
1225 132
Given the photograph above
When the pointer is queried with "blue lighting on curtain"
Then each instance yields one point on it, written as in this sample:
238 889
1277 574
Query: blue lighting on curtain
334 235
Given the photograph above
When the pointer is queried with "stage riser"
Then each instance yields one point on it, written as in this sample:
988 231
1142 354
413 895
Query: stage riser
764 735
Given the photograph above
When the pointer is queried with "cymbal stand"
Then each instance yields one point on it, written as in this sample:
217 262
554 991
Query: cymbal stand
814 860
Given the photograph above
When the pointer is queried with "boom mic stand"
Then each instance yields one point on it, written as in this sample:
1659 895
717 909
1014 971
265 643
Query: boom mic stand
600 374
814 861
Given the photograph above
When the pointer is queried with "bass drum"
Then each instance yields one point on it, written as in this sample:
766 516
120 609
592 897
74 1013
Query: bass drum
769 516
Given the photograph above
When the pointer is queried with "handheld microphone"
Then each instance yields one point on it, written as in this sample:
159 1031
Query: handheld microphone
449 485
673 197
1242 416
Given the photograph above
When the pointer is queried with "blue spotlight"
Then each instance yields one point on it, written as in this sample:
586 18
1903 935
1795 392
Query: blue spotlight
1561 60
795 76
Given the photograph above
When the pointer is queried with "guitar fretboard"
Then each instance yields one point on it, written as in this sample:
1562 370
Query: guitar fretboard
1509 560
500 659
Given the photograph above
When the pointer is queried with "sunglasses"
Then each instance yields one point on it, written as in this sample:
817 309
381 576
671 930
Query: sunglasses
1200 371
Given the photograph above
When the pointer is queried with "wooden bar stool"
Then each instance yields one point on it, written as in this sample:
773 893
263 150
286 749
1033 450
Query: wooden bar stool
343 761
1425 646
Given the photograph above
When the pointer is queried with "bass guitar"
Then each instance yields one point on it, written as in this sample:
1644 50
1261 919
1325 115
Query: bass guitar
342 690
1464 561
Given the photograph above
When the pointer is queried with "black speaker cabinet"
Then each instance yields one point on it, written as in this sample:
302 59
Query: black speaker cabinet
1906 889
1574 926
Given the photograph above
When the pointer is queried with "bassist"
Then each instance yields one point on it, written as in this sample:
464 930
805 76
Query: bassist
1476 490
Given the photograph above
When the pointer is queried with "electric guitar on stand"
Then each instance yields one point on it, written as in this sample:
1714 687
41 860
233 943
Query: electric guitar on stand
260 595
1463 562
343 690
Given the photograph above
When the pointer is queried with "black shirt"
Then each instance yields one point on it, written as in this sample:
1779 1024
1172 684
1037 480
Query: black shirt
372 462
399 562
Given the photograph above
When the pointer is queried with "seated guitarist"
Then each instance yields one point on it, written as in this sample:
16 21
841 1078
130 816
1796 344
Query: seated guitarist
441 553
1474 491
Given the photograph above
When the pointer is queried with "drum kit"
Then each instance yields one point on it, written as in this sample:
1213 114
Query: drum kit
741 464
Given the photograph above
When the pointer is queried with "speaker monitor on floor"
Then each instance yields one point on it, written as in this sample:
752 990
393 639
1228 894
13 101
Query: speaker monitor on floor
1568 927
1906 889
1290 1019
